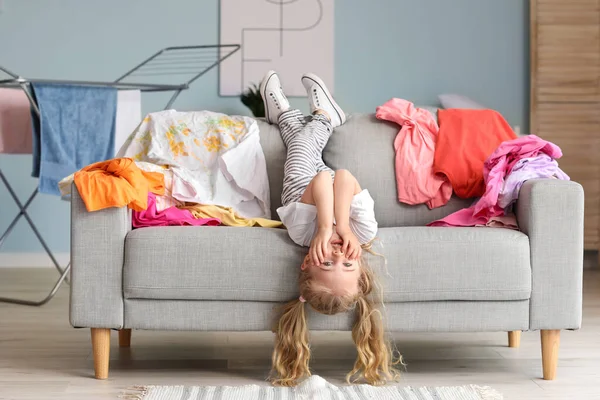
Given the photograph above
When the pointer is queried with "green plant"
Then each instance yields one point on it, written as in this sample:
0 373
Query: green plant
253 100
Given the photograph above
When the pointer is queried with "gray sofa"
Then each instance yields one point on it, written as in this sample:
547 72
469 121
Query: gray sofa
231 279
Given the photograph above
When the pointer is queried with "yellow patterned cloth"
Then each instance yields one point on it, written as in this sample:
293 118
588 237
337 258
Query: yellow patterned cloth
215 159
228 216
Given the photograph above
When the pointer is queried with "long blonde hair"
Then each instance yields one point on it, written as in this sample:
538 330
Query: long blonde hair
375 361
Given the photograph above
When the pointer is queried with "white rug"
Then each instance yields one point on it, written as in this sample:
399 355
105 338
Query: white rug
313 388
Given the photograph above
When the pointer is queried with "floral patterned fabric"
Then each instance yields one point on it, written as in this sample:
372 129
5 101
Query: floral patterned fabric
214 158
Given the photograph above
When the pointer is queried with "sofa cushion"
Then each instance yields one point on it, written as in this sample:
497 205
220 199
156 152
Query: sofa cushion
261 264
427 264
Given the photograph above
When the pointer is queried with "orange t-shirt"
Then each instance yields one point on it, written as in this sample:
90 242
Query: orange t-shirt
117 183
465 140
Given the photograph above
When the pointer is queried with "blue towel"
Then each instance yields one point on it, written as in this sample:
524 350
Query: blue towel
76 128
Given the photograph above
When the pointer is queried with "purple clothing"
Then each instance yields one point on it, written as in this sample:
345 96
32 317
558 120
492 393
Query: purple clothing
542 166
171 216
495 170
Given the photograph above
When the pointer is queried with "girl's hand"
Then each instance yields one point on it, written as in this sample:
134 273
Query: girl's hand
351 246
318 246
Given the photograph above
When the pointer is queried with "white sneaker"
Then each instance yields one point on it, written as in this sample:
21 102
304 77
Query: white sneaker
319 98
273 97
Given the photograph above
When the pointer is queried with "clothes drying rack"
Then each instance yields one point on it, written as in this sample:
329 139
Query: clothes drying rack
191 61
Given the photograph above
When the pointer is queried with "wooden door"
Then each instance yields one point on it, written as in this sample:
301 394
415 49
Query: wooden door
565 93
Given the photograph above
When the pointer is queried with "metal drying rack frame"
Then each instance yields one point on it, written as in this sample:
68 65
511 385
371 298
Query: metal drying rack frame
193 61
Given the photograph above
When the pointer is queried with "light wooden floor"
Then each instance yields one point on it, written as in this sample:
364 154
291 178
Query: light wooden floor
42 357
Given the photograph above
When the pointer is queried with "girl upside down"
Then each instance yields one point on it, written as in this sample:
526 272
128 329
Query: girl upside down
328 212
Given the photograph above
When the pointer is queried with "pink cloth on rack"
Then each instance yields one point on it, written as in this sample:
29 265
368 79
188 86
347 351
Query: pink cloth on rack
495 169
171 216
415 148
15 122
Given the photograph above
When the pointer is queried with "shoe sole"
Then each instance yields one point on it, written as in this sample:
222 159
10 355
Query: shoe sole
263 93
323 87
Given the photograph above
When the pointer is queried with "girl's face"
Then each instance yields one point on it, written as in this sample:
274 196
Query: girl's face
337 272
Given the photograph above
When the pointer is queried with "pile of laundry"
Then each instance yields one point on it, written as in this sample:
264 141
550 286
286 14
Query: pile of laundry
183 168
471 153
207 168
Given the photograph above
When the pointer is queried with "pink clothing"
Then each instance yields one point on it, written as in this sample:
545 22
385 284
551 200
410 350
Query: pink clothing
171 216
495 169
15 122
465 217
415 148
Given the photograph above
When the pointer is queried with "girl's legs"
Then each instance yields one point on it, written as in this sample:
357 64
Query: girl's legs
325 112
319 127
304 137
304 152
321 121
290 123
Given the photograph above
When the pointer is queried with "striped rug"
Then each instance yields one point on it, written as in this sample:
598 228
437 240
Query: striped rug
313 388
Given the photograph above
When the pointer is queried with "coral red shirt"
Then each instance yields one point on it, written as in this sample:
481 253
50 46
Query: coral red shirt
466 139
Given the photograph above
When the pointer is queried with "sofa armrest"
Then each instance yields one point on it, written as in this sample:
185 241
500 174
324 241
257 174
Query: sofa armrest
97 254
550 212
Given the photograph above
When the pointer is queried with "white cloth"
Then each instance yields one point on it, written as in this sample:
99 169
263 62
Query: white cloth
129 115
166 200
300 219
65 186
216 159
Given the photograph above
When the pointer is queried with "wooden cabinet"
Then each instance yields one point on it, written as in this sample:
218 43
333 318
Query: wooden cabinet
565 93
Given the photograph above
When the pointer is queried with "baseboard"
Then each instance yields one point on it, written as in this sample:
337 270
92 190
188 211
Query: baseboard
31 260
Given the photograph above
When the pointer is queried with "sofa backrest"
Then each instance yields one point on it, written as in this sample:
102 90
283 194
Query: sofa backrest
364 146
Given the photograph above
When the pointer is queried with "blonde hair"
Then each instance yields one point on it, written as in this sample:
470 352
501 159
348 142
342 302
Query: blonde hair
375 361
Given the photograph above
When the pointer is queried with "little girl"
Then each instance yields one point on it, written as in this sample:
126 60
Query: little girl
328 212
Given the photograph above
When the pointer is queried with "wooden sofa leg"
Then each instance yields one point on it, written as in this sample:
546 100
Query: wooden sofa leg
101 350
550 344
514 339
124 337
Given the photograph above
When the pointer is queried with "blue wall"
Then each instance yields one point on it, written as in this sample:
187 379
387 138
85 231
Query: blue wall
384 48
